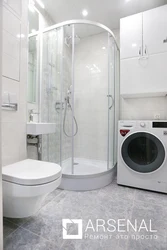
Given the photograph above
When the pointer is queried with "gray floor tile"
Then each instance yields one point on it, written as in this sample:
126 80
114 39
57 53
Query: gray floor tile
151 197
119 192
95 244
113 209
24 240
48 221
111 202
145 244
18 222
8 228
51 196
74 205
47 227
157 215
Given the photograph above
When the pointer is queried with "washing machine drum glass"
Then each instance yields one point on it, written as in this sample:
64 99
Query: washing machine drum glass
143 152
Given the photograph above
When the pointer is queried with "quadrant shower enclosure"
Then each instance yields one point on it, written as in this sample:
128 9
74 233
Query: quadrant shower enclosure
79 92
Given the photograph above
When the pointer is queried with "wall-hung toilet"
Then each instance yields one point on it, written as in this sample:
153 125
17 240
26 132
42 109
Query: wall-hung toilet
25 185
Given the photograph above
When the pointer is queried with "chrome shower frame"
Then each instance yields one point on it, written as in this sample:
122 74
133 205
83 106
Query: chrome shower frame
79 21
86 182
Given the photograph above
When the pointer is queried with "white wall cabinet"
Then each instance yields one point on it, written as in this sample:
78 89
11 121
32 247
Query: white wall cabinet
131 36
146 74
155 30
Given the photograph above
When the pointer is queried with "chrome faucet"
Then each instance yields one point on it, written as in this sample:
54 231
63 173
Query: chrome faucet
31 115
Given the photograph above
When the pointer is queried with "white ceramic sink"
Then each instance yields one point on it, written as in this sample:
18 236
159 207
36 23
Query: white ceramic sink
34 128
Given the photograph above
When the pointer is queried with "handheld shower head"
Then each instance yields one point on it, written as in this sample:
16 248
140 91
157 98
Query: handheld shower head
69 90
67 98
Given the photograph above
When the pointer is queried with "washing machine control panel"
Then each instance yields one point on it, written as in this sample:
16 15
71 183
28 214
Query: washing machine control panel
142 124
158 124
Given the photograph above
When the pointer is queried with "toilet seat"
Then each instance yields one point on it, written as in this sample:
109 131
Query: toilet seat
31 172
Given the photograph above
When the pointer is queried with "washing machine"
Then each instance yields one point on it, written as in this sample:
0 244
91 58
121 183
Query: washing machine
142 155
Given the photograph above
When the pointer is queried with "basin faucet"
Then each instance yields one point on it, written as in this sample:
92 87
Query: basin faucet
31 115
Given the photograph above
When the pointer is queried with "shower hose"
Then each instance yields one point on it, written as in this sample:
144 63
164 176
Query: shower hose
67 104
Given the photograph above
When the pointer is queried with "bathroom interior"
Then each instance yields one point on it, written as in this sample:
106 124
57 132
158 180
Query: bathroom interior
80 81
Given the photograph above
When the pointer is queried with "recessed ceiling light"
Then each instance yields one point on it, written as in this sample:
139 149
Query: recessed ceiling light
127 1
40 4
134 45
33 31
20 35
31 8
103 47
84 12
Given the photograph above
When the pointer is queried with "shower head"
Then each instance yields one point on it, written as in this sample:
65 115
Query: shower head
69 40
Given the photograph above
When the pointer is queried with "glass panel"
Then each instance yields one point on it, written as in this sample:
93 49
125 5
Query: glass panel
67 135
51 101
78 94
32 70
90 100
142 151
117 100
111 100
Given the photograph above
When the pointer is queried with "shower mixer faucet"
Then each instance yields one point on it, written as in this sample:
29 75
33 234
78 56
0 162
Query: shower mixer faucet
67 99
31 115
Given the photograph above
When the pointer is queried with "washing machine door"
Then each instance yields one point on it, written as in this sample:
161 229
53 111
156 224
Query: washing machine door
143 152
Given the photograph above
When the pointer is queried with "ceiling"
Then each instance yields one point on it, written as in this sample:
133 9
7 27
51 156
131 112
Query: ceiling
107 12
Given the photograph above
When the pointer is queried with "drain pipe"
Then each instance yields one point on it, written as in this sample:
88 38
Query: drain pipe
35 141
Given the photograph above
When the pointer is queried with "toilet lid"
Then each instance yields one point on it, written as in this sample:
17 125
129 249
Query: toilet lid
31 172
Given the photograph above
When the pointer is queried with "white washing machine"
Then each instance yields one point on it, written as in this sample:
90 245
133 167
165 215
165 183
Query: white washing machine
142 154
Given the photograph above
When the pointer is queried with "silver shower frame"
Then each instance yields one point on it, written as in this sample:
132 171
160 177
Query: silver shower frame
78 21
84 182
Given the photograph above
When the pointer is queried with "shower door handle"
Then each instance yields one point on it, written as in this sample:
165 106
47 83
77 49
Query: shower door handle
112 99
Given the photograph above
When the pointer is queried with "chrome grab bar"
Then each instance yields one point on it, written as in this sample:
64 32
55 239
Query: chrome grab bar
112 101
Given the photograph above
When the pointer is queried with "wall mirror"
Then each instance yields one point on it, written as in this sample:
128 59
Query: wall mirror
32 59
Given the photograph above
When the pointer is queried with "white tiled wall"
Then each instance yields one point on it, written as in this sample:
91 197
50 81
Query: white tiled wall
144 108
90 94
91 102
14 123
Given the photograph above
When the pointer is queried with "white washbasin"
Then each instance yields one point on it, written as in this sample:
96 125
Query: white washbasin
34 128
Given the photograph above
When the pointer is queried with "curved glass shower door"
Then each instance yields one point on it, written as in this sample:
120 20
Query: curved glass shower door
92 100
79 72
